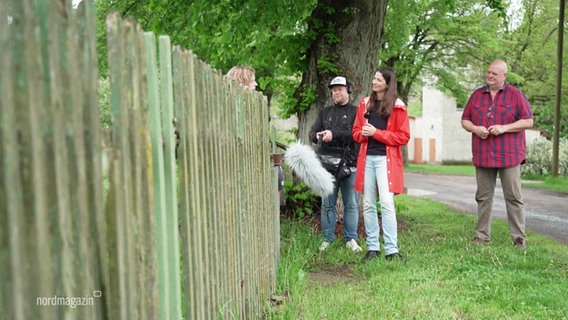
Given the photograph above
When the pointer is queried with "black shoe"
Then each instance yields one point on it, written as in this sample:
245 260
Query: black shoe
396 256
371 254
521 243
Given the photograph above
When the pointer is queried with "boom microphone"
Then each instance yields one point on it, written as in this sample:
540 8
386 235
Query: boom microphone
304 162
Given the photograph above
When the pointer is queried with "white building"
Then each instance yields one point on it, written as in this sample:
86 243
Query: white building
437 136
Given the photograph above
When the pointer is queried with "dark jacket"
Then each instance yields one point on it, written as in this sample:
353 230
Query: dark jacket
339 120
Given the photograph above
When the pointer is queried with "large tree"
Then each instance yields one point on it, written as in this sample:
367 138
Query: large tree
347 40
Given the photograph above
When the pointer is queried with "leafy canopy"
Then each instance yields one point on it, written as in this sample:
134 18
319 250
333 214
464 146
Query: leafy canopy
270 36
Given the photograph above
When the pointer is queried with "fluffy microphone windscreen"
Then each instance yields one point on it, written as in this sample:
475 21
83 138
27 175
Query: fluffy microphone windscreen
304 161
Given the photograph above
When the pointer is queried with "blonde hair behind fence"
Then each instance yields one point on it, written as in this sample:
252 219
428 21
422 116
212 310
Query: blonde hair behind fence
241 74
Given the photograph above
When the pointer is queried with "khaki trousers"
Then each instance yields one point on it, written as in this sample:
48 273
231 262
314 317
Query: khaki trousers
511 184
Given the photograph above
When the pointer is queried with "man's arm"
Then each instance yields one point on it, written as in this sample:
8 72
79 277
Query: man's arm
316 127
479 131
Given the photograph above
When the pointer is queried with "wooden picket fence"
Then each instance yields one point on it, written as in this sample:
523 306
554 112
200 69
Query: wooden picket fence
109 224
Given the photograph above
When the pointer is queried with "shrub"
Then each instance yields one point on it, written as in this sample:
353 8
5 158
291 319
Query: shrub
539 158
104 102
300 200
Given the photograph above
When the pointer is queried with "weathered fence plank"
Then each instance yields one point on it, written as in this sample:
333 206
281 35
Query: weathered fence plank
131 226
46 256
186 100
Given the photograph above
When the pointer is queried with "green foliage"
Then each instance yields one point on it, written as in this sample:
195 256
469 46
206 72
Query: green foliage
327 66
539 158
351 10
288 104
329 10
331 37
308 97
270 36
105 111
497 5
544 117
287 101
300 200
284 96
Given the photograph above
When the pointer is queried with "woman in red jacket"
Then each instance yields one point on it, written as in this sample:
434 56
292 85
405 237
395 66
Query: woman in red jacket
381 128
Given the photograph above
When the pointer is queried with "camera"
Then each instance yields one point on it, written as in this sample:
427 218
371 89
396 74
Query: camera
343 172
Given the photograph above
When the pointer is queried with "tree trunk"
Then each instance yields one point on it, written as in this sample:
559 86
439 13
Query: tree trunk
348 37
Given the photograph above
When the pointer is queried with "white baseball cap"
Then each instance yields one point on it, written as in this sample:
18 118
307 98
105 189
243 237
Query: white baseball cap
338 81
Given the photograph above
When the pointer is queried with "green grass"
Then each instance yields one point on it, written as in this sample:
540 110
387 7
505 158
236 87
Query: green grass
447 277
550 183
460 170
556 184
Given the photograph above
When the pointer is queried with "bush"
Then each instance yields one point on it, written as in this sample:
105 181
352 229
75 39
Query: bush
539 158
300 200
104 102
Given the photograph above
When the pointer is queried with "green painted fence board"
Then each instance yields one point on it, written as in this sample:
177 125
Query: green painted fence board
170 172
44 182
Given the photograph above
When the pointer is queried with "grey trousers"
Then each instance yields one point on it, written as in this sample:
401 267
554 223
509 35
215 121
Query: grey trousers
511 184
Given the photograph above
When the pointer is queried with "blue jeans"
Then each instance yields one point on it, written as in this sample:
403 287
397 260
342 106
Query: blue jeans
376 175
350 211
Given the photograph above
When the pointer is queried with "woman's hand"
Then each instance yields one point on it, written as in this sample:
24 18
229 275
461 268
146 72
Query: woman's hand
368 130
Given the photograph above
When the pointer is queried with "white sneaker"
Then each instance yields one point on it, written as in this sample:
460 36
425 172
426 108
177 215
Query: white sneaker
324 245
352 244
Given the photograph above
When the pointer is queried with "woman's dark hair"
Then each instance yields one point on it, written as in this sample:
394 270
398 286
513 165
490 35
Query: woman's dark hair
387 102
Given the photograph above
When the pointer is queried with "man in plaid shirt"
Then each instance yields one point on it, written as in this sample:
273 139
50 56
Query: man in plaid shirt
497 115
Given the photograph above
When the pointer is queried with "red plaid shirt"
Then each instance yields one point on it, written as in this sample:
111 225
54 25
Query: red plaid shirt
502 151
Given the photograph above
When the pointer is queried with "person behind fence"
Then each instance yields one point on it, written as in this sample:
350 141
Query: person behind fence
381 128
497 115
332 132
243 75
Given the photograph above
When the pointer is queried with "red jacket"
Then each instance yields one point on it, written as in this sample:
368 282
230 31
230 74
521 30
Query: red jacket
394 137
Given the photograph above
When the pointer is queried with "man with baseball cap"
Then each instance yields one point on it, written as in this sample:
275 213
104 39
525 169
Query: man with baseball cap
338 81
332 132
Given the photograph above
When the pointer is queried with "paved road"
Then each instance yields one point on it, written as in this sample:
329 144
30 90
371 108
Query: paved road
546 211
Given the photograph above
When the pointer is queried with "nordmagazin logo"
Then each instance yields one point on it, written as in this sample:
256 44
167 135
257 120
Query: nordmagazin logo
72 302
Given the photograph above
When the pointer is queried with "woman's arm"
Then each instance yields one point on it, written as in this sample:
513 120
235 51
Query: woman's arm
398 133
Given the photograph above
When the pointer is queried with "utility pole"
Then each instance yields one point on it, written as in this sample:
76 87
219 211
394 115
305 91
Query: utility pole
560 45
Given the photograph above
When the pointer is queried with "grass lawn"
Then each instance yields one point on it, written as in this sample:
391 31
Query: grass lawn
448 277
459 170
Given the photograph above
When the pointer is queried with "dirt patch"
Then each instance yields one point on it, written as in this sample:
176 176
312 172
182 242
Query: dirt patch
330 275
